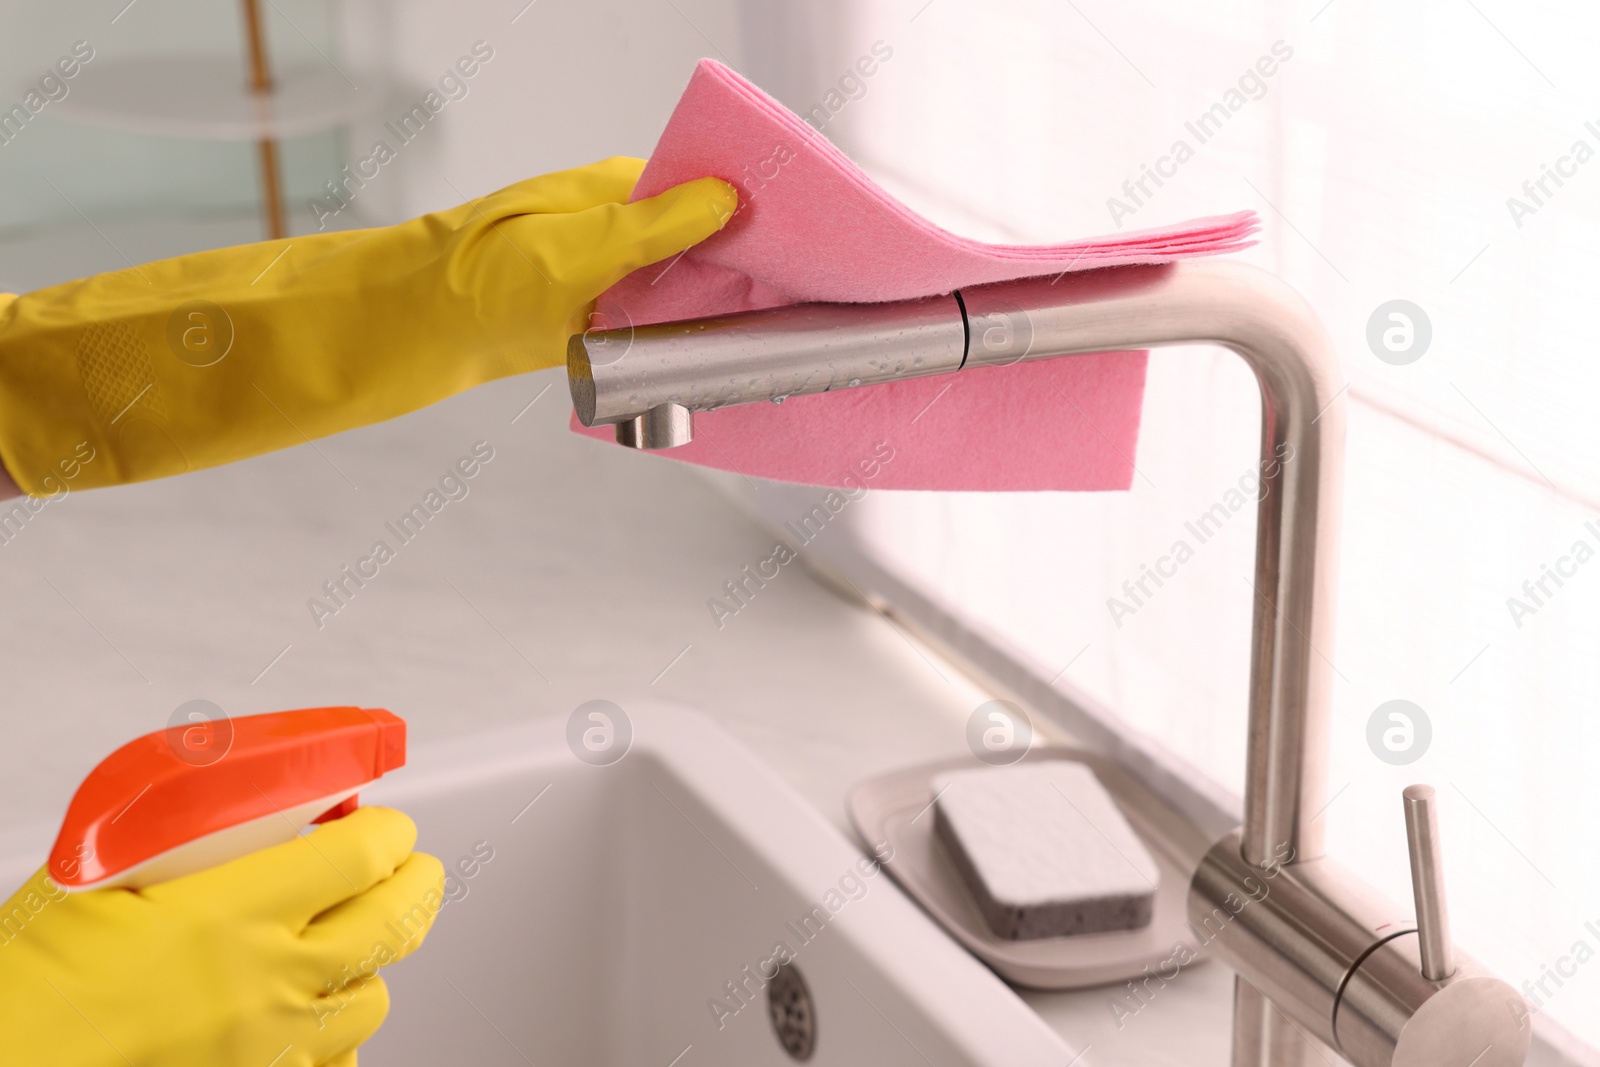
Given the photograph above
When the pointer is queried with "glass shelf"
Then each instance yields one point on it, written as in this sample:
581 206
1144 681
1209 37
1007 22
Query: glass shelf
205 98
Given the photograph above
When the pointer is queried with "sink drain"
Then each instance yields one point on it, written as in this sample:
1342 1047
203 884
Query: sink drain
794 1020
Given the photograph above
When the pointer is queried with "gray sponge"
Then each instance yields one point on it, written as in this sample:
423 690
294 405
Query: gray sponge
1045 850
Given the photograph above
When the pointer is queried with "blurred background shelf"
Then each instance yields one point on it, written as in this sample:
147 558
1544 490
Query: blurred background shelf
210 98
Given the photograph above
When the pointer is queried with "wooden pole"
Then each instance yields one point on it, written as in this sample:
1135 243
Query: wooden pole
266 147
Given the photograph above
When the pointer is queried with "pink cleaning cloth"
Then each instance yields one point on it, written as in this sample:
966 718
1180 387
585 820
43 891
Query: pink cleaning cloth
811 226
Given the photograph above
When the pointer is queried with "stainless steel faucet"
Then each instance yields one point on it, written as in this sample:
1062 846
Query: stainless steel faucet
1316 951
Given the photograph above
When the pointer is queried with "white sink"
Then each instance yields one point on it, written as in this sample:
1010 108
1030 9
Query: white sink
617 907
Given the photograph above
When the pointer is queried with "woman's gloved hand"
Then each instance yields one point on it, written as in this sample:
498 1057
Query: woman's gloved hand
268 959
212 357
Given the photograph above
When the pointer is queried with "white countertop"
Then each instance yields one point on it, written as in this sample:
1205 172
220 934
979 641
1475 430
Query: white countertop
570 571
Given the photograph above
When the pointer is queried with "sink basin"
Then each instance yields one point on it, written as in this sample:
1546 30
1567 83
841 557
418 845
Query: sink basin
626 914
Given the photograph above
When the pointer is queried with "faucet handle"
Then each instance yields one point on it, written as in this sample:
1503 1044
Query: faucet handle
1427 882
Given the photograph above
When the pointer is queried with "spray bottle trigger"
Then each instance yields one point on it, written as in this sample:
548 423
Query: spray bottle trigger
339 810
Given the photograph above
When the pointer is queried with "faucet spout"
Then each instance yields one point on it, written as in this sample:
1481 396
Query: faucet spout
621 376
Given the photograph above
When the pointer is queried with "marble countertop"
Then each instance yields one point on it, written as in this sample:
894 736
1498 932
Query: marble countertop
568 571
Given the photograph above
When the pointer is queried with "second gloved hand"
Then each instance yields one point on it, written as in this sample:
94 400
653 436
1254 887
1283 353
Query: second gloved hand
268 959
212 357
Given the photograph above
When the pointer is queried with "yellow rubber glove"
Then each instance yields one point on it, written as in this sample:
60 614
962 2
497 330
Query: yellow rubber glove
269 959
212 357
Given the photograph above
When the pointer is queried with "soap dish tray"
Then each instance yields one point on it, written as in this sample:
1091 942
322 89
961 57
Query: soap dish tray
897 809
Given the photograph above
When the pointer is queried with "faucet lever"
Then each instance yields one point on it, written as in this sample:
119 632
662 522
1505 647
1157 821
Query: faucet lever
1427 882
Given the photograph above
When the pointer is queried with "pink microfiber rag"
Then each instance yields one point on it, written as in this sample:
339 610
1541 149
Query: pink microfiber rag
812 227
